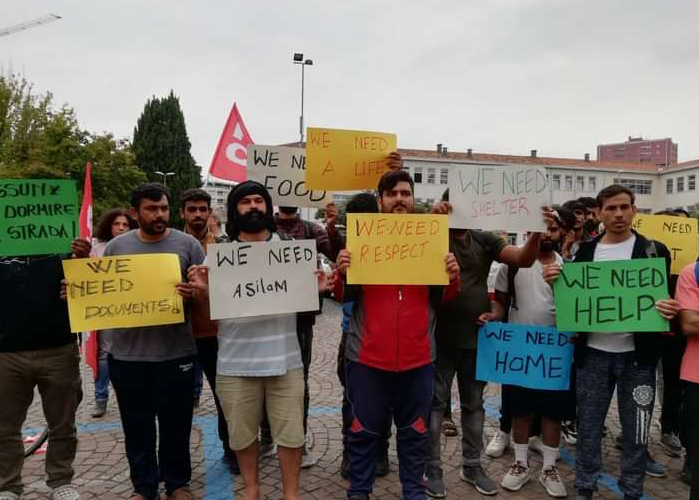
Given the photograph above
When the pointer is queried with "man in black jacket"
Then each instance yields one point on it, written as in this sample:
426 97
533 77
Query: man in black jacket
37 349
625 361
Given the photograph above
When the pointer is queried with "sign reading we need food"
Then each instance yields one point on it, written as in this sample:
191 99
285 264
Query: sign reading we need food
37 216
123 291
679 234
398 249
504 197
344 160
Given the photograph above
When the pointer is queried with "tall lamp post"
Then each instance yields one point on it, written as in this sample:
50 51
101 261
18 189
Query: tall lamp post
165 176
298 59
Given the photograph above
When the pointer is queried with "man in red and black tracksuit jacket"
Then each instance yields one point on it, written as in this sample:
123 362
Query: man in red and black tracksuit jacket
390 353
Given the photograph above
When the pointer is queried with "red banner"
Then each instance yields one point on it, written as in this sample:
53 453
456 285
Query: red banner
85 223
230 159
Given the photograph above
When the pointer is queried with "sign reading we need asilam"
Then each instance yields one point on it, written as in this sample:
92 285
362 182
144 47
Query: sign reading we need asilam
505 197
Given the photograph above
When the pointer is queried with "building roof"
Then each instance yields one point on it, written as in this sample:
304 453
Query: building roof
685 165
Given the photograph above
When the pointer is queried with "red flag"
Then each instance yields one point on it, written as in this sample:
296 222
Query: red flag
85 223
230 159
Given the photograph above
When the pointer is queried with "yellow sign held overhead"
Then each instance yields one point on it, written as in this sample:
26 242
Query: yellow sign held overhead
343 160
678 234
123 291
398 249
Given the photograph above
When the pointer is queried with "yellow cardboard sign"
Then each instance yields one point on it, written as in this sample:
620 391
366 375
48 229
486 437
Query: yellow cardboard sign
123 291
679 234
398 249
343 160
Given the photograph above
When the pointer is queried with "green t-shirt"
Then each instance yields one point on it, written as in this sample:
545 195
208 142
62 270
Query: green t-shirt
456 319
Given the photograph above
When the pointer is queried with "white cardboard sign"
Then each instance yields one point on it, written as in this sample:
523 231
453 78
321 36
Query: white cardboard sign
261 278
282 170
498 197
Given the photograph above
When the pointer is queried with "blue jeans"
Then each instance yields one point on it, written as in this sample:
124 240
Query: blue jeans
102 382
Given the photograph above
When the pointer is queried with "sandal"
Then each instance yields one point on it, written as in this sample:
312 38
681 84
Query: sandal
449 428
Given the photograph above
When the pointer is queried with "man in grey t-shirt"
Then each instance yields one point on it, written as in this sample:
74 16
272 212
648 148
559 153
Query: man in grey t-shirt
151 368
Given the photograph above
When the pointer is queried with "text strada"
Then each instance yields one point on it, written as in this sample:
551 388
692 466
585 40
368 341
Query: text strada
344 160
261 278
37 216
123 292
506 197
282 170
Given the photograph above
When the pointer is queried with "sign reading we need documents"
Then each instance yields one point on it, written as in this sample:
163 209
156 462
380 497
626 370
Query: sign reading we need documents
344 160
503 197
123 291
679 234
262 277
398 249
282 170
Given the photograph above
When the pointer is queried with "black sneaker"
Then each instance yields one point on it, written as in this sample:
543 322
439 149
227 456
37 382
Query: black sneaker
358 496
479 479
434 484
583 495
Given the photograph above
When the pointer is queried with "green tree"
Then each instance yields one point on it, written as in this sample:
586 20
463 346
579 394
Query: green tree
160 143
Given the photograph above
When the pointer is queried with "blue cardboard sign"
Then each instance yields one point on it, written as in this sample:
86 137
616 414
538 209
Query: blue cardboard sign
537 357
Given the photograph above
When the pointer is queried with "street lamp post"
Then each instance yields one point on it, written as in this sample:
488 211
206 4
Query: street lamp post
165 176
298 59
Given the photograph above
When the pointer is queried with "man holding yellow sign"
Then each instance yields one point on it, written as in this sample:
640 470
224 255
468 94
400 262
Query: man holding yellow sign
390 346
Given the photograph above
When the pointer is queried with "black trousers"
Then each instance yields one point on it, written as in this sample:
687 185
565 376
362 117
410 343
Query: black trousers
673 350
690 431
150 391
207 354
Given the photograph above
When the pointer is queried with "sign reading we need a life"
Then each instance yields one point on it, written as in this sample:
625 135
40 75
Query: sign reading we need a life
398 249
123 291
537 357
282 170
506 197
679 234
344 160
261 278
37 216
611 296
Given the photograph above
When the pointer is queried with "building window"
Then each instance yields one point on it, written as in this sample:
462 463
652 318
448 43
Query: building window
691 182
638 186
556 183
680 184
418 175
444 176
668 185
580 183
431 175
569 183
592 184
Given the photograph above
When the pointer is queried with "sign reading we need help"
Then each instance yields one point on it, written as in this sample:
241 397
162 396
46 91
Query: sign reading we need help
261 278
679 234
282 170
37 216
344 160
537 357
398 249
611 296
507 197
123 291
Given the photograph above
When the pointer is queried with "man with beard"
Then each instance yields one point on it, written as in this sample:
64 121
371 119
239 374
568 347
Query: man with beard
389 361
591 224
577 236
152 367
259 360
195 210
529 300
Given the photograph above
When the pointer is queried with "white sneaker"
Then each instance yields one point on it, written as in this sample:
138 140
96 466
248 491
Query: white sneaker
551 480
537 446
498 444
65 492
518 475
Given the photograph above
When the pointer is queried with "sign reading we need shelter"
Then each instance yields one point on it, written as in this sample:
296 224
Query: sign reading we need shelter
503 197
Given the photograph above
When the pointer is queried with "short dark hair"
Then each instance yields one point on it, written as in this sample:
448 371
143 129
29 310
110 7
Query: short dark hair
104 226
566 218
362 203
574 205
588 201
666 212
390 179
680 211
612 191
151 191
195 194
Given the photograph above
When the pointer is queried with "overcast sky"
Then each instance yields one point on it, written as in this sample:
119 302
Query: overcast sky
498 76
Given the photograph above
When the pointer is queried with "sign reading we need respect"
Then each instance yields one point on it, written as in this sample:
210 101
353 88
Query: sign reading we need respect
507 197
123 291
37 216
398 249
282 170
611 296
678 234
344 160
